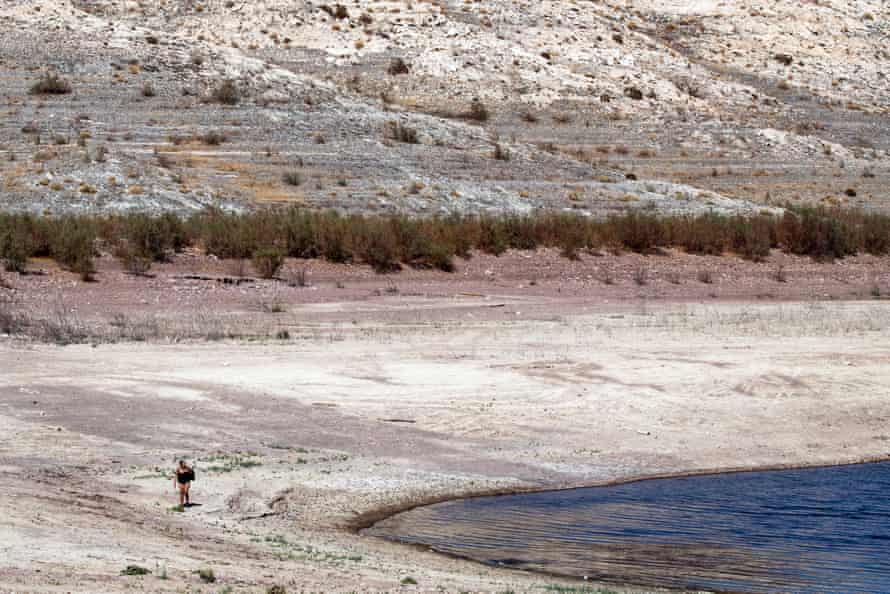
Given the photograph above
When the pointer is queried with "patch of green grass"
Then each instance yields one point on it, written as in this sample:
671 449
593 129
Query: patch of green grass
206 574
135 570
229 462
293 551
156 475
560 589
277 540
177 508
408 581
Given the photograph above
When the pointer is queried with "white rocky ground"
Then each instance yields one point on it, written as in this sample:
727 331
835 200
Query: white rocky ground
752 102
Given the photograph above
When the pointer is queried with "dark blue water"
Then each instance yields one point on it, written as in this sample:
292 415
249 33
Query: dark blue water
798 531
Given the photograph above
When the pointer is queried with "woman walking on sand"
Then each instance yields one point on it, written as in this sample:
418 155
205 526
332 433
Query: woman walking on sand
182 480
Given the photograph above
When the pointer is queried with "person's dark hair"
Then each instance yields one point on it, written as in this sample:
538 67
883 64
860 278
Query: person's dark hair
182 462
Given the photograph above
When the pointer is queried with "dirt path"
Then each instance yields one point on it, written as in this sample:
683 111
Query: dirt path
295 441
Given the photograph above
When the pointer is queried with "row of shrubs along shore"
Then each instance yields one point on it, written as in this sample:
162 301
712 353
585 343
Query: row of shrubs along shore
388 242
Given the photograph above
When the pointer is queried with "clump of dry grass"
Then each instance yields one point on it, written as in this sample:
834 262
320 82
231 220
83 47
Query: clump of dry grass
399 132
397 67
50 84
226 93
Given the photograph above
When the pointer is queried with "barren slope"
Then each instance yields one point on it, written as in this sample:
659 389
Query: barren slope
727 103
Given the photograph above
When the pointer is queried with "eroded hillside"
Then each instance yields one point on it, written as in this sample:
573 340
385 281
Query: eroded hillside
444 106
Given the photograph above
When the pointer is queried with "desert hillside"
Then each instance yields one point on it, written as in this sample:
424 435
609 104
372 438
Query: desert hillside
443 106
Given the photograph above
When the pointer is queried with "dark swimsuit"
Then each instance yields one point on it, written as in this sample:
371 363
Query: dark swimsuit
185 477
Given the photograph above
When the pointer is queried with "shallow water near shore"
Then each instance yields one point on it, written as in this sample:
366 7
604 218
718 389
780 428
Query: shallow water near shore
805 530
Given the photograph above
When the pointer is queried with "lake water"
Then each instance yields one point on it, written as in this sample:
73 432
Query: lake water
800 531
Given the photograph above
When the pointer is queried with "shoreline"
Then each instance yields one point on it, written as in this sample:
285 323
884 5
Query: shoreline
300 455
363 523
370 519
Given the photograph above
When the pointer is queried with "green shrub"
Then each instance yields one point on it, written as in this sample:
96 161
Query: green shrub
207 576
385 242
133 261
299 230
226 235
151 237
268 262
72 245
875 234
491 237
639 232
331 237
15 247
292 178
378 247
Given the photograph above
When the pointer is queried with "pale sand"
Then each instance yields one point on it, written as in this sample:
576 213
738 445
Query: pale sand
576 399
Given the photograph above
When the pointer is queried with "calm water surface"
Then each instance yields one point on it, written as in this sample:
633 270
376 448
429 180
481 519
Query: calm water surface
801 531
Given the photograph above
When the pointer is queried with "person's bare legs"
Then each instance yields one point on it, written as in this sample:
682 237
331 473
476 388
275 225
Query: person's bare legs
182 494
186 492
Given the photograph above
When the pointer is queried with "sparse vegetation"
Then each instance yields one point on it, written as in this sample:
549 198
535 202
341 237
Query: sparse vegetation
385 242
292 178
15 248
397 131
133 261
206 574
268 262
226 93
560 589
478 111
135 570
214 138
500 152
398 66
50 84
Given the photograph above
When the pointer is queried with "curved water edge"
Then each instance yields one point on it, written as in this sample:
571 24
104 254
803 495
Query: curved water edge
626 528
368 519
